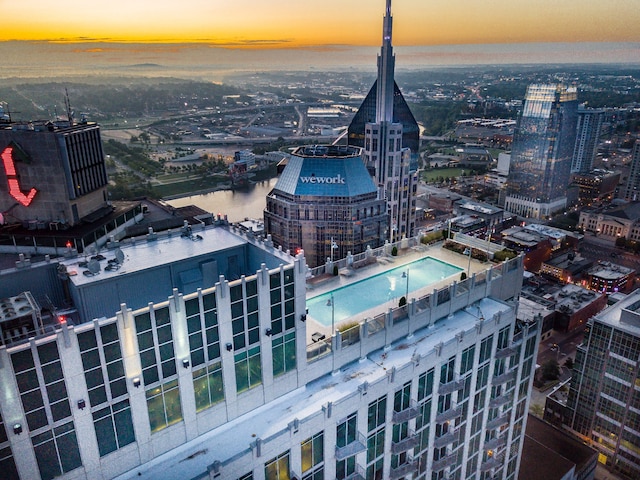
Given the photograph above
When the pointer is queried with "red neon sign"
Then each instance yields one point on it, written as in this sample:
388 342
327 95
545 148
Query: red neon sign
12 178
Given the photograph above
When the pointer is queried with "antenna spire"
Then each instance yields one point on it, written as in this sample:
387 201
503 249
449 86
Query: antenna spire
386 67
67 105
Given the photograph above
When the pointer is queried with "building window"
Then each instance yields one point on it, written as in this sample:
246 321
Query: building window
44 397
278 468
312 450
248 369
346 431
56 451
102 363
485 348
466 360
8 465
402 397
284 353
345 467
425 385
155 341
207 386
163 405
376 413
114 427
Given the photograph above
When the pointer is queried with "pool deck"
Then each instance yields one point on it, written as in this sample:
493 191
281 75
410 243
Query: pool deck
404 257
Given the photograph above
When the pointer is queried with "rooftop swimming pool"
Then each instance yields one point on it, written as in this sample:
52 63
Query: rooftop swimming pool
358 297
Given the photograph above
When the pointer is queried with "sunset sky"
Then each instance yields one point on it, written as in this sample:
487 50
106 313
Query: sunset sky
302 23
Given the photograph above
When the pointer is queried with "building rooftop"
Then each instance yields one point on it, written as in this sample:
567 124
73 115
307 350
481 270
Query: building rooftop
551 232
325 171
560 452
157 249
625 314
521 237
479 207
569 261
609 271
572 298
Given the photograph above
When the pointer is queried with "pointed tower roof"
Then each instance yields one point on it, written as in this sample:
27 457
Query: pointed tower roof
385 102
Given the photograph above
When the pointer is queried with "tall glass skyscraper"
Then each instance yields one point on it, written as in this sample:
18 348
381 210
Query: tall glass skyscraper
542 152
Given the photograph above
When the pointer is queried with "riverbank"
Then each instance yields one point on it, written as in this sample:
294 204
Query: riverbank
191 187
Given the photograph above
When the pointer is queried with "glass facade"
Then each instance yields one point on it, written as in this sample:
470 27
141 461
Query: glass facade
46 405
542 149
604 398
325 195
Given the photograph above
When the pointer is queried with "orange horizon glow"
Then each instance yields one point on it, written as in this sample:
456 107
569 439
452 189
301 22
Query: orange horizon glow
256 24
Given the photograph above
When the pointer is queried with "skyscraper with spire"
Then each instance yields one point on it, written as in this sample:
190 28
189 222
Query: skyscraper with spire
387 130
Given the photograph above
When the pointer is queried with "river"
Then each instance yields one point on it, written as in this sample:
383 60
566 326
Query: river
237 204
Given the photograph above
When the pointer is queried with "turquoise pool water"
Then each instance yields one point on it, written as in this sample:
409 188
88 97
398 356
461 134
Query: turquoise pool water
371 292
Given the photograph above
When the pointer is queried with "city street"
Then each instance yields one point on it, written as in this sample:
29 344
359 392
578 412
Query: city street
595 249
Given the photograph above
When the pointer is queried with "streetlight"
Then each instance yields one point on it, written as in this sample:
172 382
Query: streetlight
406 275
467 251
333 246
331 303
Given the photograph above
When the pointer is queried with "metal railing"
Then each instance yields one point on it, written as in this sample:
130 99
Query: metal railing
405 444
412 411
359 444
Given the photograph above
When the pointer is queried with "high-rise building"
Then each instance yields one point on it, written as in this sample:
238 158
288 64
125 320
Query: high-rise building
387 130
587 138
632 187
542 150
55 173
604 397
228 376
326 204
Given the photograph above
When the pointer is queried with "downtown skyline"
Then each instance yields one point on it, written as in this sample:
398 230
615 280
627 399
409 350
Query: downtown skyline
209 39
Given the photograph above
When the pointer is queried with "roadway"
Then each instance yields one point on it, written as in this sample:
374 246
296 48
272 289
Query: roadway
595 248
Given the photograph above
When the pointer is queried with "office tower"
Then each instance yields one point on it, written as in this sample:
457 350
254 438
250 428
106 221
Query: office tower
604 398
632 187
543 146
326 204
385 127
587 138
228 376
53 189
54 174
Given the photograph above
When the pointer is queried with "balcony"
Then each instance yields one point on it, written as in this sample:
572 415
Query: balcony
501 400
405 444
492 462
506 352
450 387
359 444
505 377
495 443
498 422
403 470
412 411
445 439
444 462
453 412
